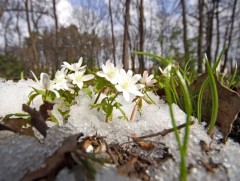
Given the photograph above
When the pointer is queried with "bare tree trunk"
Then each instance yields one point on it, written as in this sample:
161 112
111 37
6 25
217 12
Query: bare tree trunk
3 3
31 37
6 29
228 44
185 36
125 56
209 30
141 37
18 27
200 34
218 31
56 49
113 37
132 47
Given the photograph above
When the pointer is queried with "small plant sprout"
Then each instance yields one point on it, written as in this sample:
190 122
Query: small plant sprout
47 89
116 81
106 81
64 87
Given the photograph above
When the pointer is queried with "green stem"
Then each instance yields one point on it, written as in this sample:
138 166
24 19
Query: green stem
114 98
45 96
149 98
97 98
123 113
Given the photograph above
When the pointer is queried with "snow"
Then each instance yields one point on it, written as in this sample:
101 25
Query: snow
18 153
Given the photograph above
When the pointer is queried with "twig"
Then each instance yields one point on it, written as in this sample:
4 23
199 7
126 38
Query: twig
133 115
164 132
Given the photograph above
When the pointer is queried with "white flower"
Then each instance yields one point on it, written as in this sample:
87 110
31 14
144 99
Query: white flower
74 66
45 83
60 81
146 80
78 78
110 72
127 84
167 71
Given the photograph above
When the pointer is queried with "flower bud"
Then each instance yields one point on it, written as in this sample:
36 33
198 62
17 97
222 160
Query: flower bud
44 81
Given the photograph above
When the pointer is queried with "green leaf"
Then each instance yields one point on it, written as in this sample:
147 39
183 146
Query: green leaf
31 96
156 57
54 119
88 91
101 83
41 92
118 106
20 115
214 96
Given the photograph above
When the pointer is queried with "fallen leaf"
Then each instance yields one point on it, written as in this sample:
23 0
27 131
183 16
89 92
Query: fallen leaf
4 127
37 119
143 144
229 104
45 109
210 165
17 125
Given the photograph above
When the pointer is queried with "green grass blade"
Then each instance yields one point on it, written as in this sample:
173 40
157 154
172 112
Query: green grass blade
200 97
188 106
218 61
233 76
159 58
214 97
183 165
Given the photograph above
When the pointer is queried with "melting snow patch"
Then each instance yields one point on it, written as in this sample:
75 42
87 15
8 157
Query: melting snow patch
18 154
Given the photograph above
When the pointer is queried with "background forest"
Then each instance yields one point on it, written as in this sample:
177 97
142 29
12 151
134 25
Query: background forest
39 35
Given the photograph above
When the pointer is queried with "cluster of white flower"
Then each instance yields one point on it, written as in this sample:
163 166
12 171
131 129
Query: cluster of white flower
71 78
125 82
68 75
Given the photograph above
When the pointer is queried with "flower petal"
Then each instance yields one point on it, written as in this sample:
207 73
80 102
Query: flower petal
130 73
119 88
101 74
88 77
80 60
136 78
80 85
126 96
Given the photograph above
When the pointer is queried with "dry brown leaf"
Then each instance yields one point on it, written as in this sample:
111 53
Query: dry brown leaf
37 119
45 109
128 167
4 127
143 144
229 104
17 125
